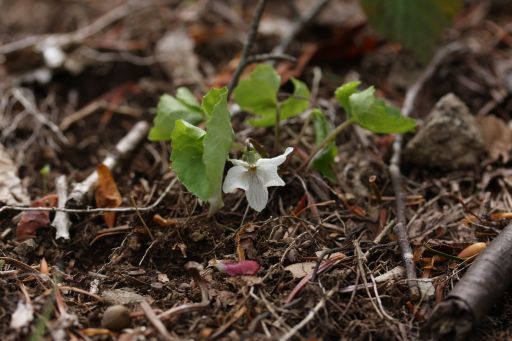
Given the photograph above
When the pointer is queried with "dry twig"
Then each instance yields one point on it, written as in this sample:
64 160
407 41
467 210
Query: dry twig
61 221
247 46
394 168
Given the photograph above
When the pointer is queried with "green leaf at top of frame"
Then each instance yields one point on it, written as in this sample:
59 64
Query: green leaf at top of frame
416 24
170 109
257 94
324 161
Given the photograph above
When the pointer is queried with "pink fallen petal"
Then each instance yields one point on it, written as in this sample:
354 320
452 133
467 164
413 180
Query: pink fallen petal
245 267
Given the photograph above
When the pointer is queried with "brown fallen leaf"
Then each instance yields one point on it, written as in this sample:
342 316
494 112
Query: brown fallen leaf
31 221
497 137
107 195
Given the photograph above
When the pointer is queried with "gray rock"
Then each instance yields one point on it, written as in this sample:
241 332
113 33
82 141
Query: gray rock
449 138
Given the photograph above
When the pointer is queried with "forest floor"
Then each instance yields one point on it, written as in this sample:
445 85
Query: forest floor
65 120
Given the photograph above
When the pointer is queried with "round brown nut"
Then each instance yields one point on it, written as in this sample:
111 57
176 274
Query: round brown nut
116 317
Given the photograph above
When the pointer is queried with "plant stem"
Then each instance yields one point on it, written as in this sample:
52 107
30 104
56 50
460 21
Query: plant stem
326 141
276 127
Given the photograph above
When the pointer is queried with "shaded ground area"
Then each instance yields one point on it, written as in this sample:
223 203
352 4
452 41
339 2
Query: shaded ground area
69 118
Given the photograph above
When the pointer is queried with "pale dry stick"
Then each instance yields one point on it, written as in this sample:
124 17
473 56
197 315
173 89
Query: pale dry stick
125 146
95 210
251 37
394 167
155 321
61 221
64 39
312 313
300 22
193 268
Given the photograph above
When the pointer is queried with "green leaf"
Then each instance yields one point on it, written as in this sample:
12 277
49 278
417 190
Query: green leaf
258 93
187 98
384 118
170 109
371 113
416 24
324 160
217 144
343 93
377 115
198 157
211 99
298 102
187 158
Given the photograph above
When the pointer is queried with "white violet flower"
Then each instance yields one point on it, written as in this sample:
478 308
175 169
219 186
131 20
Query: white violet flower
254 178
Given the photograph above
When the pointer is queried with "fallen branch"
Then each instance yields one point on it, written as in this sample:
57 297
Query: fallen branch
400 228
81 190
473 296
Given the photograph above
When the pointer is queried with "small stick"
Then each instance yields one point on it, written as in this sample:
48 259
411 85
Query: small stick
155 321
474 295
61 221
125 146
394 168
247 46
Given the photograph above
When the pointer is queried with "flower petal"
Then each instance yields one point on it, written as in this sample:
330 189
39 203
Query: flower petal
239 163
276 161
237 177
257 194
267 169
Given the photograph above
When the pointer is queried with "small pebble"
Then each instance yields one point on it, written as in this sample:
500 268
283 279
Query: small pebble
116 317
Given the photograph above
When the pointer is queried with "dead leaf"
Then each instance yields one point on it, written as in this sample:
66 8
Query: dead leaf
107 194
31 221
300 270
12 191
497 137
22 316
